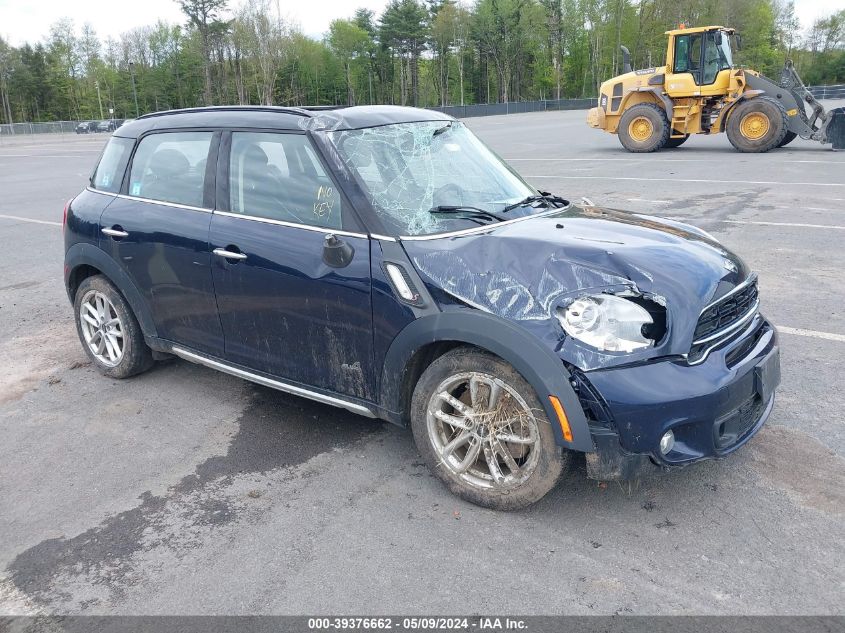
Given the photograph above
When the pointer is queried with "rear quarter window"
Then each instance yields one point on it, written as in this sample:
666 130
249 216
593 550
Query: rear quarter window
109 171
170 167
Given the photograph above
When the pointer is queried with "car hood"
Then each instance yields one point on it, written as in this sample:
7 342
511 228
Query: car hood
524 270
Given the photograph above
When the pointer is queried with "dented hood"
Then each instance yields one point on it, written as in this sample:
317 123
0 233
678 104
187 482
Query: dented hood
523 271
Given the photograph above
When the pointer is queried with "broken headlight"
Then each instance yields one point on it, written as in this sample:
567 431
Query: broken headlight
608 323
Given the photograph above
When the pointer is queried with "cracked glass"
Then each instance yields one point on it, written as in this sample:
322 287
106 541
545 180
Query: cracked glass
408 169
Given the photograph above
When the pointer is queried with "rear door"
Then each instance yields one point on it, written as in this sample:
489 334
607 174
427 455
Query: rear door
283 309
157 230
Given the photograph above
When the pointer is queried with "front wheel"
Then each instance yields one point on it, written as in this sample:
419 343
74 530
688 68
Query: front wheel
757 125
482 431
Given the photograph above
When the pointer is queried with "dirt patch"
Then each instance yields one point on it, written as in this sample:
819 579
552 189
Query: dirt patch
28 360
807 470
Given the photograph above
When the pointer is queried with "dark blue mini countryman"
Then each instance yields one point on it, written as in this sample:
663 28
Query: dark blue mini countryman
383 260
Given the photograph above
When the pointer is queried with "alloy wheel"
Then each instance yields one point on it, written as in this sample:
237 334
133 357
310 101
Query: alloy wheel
483 431
102 328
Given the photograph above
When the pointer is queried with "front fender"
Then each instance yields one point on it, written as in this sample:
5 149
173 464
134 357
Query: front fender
84 254
538 364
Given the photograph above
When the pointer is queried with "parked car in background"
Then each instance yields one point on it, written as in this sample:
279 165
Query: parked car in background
105 126
384 260
86 127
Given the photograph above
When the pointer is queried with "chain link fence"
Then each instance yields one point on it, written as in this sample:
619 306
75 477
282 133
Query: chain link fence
459 112
828 92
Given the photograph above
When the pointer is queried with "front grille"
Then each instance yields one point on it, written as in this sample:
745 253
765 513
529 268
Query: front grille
725 312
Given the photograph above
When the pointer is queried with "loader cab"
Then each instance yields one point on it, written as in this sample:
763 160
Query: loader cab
699 61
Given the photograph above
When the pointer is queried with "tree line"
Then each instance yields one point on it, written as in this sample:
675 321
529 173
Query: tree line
416 52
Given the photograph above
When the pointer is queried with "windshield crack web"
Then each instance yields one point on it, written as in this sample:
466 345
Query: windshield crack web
407 169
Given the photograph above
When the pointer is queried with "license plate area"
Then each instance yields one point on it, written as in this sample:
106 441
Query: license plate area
767 375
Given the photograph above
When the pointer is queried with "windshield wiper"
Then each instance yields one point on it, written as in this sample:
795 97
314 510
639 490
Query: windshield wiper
445 128
543 196
466 213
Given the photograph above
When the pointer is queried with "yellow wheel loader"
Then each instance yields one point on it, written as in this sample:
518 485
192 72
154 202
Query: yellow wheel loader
700 91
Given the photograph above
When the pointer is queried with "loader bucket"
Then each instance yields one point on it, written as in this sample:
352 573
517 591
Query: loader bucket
836 128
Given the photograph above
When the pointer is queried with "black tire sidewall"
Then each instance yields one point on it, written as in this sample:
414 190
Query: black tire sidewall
137 356
788 138
777 125
552 459
659 122
672 143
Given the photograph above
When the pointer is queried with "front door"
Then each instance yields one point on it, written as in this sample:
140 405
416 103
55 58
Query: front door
284 310
158 232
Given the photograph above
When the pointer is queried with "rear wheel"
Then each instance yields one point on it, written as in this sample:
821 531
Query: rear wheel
109 331
790 136
482 431
676 142
757 125
643 128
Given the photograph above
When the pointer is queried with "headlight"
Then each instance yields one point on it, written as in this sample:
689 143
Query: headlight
607 322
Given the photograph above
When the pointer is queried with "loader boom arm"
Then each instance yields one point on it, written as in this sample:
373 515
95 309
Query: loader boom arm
819 119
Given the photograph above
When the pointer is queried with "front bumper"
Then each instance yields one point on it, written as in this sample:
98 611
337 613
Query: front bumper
713 408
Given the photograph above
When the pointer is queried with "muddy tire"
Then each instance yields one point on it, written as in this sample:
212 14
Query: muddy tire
108 329
757 125
643 128
672 143
787 139
482 431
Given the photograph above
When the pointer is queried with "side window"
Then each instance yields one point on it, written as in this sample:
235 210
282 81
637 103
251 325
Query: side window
109 172
688 54
279 177
170 167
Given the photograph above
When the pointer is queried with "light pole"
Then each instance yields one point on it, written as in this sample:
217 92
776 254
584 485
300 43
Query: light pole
134 91
99 100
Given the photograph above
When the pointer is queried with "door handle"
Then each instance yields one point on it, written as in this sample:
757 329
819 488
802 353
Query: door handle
222 252
117 233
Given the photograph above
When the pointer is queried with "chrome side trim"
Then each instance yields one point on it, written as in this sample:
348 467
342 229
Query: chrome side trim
479 229
273 384
103 193
175 205
383 238
752 278
307 227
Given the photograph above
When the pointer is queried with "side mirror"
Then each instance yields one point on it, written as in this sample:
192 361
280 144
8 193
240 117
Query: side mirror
718 37
738 39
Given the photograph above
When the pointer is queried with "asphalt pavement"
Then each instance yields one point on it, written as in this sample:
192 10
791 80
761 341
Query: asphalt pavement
186 491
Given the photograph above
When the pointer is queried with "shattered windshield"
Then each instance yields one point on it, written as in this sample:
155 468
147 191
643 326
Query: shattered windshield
407 170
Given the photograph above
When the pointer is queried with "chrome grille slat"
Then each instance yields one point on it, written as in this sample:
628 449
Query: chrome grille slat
723 318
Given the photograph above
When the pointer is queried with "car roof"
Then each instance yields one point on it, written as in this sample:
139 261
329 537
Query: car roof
281 118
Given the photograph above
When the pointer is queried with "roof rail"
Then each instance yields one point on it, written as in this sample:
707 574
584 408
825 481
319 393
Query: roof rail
234 108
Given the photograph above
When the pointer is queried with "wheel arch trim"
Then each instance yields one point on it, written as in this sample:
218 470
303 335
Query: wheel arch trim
540 367
83 254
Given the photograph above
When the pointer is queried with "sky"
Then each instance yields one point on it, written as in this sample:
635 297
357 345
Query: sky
29 20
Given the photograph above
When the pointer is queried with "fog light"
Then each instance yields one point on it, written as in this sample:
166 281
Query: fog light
667 442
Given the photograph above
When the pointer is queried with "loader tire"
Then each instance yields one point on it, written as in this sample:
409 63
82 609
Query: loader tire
790 136
676 142
757 125
644 128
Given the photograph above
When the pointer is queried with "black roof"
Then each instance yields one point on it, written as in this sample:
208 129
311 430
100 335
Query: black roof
282 118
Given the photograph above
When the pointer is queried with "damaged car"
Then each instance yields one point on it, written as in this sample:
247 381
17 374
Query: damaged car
384 260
